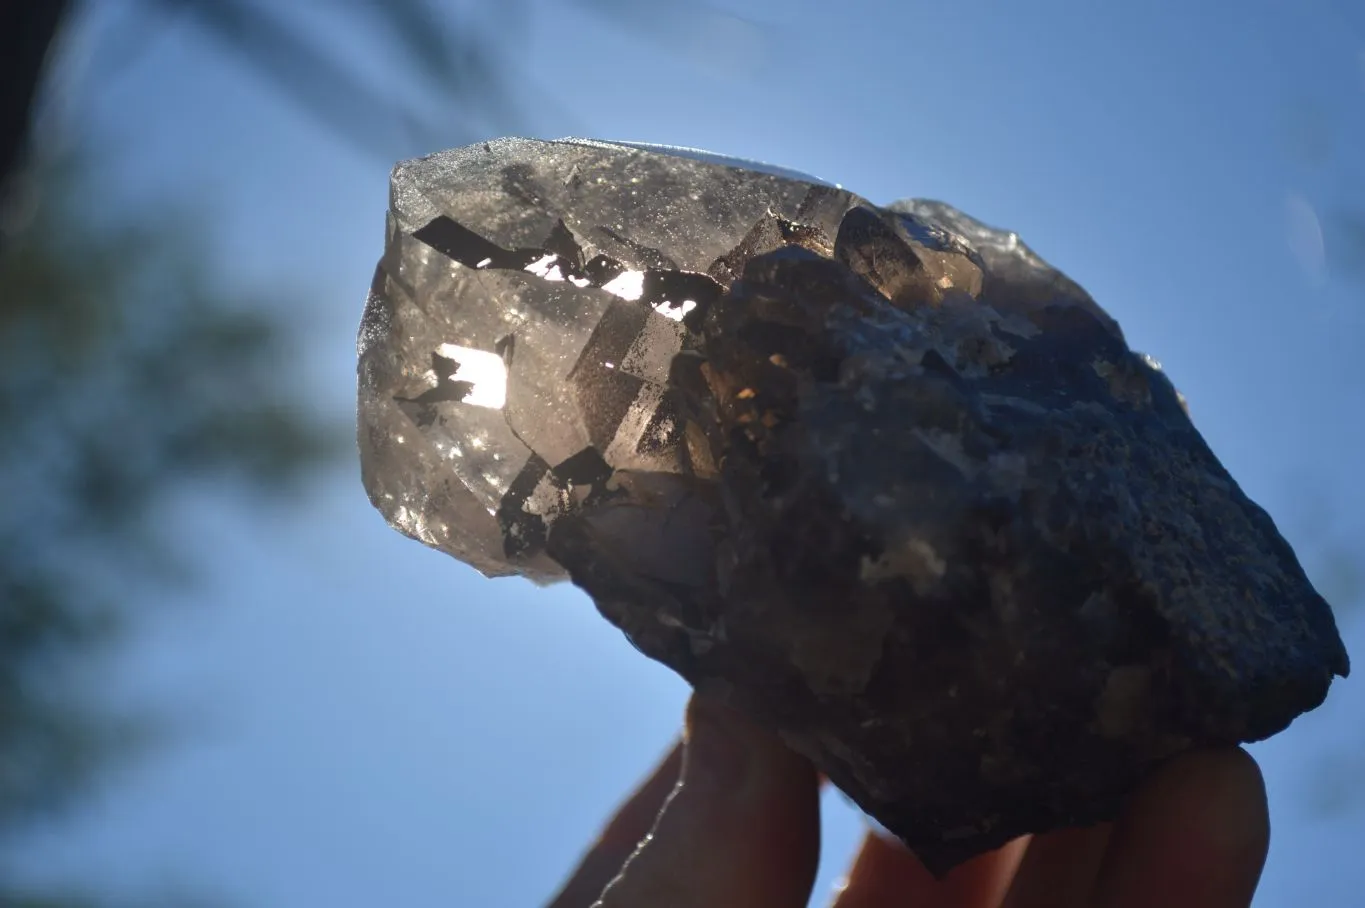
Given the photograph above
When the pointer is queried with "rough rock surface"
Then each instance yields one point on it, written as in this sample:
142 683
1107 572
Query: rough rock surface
881 477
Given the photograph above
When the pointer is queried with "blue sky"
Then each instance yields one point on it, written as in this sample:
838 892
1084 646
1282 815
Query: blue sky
368 722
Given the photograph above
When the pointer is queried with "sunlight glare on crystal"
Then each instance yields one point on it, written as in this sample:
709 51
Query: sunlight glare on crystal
629 285
668 310
484 370
547 268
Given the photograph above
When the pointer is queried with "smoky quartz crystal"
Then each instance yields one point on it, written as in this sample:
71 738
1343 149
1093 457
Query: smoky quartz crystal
878 476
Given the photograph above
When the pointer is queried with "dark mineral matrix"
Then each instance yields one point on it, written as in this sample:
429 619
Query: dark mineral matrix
878 476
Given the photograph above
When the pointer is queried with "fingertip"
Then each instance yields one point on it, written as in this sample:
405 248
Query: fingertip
621 835
885 873
742 828
636 817
1197 833
1059 868
1213 803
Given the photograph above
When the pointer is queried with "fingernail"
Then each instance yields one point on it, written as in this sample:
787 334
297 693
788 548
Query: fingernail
718 751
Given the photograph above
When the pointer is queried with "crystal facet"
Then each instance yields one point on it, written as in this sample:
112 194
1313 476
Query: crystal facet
881 477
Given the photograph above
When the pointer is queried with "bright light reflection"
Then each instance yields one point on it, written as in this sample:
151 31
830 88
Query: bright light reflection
668 310
629 285
546 267
482 369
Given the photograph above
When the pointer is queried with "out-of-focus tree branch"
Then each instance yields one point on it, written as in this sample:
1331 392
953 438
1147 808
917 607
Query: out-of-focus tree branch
452 75
27 31
128 375
455 75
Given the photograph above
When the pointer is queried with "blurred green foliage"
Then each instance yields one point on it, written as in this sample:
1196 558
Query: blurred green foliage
129 376
124 376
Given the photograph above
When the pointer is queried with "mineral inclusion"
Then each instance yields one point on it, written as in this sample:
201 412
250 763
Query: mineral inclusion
879 476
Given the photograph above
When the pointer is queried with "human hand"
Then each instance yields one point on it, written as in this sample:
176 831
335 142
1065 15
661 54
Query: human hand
734 817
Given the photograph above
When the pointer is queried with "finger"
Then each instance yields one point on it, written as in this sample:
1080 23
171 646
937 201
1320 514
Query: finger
741 831
621 836
1196 834
887 875
1059 869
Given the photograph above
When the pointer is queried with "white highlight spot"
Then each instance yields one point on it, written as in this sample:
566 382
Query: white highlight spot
484 370
547 268
629 285
668 310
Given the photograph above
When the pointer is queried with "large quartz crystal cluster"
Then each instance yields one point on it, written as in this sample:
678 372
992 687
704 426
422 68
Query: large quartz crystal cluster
878 476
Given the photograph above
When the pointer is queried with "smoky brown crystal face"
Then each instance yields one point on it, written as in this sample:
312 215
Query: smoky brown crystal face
879 476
